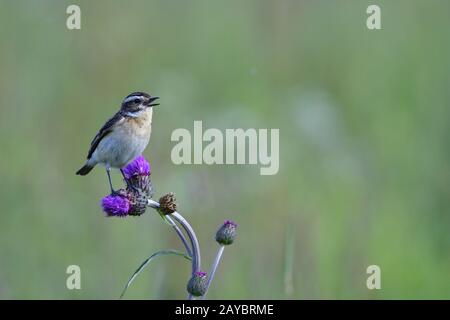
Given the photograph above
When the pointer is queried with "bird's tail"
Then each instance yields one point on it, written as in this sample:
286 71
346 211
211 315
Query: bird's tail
85 170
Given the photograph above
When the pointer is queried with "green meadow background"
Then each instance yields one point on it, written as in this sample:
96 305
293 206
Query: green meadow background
363 115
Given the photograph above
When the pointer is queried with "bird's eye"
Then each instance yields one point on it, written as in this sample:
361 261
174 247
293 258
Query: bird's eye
137 101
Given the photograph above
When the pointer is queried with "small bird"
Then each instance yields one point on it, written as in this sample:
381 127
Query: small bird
123 137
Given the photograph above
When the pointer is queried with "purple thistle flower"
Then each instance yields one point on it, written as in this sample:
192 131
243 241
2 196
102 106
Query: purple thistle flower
116 205
200 273
138 167
230 223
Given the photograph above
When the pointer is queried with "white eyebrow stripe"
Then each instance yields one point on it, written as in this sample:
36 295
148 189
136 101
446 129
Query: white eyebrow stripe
131 98
133 114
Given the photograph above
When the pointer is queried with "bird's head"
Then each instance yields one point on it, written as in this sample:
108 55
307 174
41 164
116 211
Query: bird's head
137 102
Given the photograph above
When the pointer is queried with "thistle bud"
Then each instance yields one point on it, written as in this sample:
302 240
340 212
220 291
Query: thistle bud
167 204
227 233
197 284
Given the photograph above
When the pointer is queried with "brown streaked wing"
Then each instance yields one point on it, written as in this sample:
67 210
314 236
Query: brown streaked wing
104 131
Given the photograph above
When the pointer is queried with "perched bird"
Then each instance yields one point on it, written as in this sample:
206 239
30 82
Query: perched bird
123 137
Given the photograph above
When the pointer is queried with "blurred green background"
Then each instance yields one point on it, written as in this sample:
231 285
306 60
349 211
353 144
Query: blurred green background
364 146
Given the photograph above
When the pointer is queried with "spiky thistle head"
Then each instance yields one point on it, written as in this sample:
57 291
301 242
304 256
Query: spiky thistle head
116 205
167 204
138 167
125 203
139 201
137 175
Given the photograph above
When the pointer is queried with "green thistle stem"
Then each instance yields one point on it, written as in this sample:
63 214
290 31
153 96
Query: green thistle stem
180 235
214 268
195 248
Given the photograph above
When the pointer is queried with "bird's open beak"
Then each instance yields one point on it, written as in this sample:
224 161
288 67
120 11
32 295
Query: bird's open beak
150 104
